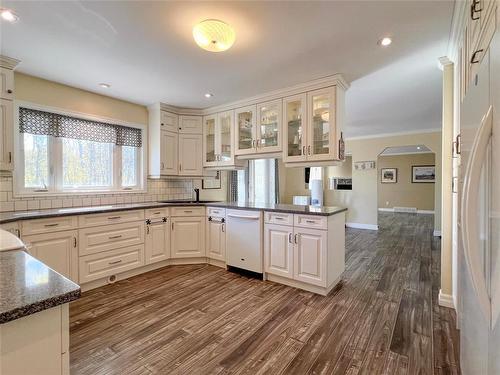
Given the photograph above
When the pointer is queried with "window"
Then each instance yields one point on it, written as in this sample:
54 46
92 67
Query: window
61 154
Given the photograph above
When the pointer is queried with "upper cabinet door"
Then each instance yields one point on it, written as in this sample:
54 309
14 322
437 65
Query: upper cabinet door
269 127
169 156
225 138
322 133
169 121
7 83
210 149
190 124
190 161
294 128
6 135
246 137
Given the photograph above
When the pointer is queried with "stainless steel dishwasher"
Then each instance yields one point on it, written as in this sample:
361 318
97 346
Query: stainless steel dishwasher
244 240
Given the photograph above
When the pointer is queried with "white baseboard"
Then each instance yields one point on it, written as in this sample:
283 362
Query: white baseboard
446 300
362 226
436 233
425 212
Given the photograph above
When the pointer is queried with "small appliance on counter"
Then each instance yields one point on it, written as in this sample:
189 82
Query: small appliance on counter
302 200
316 192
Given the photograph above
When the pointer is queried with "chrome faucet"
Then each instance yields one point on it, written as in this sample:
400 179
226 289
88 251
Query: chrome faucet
197 194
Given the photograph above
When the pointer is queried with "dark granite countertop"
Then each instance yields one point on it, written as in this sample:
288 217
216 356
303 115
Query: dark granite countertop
6 217
28 286
286 208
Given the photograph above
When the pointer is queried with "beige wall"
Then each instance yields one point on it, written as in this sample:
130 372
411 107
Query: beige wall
363 207
48 93
404 193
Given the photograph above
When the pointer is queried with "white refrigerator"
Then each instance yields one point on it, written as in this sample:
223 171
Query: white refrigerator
479 220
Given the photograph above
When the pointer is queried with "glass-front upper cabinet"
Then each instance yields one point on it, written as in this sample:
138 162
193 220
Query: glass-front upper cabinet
246 135
269 127
209 140
294 133
225 132
321 115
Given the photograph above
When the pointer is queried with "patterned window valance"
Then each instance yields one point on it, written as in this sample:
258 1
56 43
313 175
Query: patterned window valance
33 121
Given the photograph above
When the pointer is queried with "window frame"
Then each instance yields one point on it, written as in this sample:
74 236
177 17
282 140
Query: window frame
55 187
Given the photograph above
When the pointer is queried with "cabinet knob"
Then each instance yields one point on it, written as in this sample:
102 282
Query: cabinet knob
473 59
9 91
162 124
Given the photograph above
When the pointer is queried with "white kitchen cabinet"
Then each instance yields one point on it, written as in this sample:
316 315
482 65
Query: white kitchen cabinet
310 256
169 163
246 130
294 128
188 237
278 250
157 246
190 124
216 238
190 161
169 121
210 141
269 128
58 250
6 135
7 83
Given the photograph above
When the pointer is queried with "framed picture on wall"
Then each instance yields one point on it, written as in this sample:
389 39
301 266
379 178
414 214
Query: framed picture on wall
423 173
388 175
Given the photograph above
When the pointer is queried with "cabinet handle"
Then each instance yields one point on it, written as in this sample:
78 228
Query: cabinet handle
74 242
114 217
162 165
473 58
115 237
290 237
18 233
303 150
147 229
222 228
51 225
457 144
180 167
115 262
157 213
473 10
295 238
9 91
311 221
188 211
279 218
172 225
309 150
10 157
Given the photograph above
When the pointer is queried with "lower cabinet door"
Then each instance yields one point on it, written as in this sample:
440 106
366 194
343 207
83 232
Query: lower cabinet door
278 250
58 250
188 237
310 256
157 242
216 240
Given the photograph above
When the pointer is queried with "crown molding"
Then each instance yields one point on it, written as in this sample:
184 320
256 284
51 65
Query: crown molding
394 134
8 62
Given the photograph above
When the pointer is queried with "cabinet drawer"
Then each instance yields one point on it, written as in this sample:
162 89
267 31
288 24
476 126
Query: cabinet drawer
49 225
108 237
310 221
96 266
188 211
216 212
278 218
156 213
110 218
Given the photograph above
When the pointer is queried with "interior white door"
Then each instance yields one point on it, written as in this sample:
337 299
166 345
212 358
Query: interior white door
310 256
169 157
190 155
278 250
188 237
58 250
157 242
216 239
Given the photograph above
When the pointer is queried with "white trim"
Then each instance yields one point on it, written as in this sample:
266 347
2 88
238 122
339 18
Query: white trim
386 209
446 300
436 233
362 226
394 134
17 175
423 212
406 153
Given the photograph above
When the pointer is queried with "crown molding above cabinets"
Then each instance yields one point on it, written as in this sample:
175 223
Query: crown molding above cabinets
301 124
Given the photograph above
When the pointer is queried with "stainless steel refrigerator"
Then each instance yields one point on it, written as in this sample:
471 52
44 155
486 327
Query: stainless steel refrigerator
479 220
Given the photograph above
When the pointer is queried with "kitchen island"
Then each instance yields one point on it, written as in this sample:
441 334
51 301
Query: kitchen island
34 316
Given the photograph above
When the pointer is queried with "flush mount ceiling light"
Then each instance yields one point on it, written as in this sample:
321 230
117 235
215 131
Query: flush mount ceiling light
208 95
105 85
384 42
214 35
8 15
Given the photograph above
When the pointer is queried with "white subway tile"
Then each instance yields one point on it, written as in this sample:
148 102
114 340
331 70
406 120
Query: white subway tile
45 203
20 205
77 202
57 203
6 206
33 205
86 202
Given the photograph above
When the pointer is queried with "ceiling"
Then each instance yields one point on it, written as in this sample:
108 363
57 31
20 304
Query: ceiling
145 50
406 150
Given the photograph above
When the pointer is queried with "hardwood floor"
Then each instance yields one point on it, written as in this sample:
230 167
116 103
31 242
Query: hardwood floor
382 319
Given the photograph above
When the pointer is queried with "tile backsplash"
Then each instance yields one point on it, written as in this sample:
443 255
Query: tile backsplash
156 190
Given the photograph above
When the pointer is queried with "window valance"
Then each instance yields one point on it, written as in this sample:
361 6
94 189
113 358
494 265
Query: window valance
33 121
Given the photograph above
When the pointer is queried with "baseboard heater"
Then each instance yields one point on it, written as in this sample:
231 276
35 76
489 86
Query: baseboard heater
406 209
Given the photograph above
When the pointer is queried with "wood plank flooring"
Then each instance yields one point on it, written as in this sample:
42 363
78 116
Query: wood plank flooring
383 318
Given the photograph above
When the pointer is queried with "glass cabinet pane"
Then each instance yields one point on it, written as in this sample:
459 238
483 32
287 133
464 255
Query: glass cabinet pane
245 130
269 125
225 136
295 139
320 141
210 154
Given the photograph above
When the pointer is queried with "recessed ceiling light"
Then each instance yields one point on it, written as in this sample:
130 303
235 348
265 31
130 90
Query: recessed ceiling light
419 148
214 35
9 15
105 85
208 95
384 42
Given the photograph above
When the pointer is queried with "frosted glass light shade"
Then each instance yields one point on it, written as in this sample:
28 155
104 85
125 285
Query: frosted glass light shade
214 35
